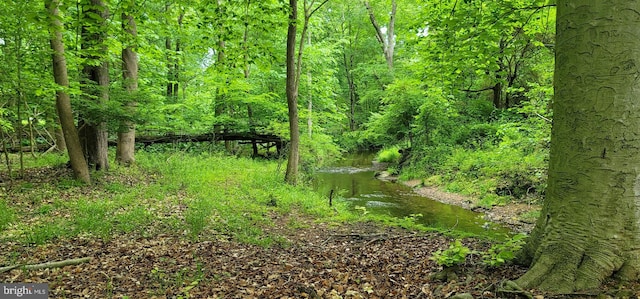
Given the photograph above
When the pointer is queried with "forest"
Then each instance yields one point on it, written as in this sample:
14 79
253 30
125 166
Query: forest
169 149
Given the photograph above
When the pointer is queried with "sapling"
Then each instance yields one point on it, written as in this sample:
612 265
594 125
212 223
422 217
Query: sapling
450 259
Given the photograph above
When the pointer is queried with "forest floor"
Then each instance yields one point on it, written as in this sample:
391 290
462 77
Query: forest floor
313 260
319 261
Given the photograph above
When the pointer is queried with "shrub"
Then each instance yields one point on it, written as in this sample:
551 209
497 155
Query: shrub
389 155
455 255
504 252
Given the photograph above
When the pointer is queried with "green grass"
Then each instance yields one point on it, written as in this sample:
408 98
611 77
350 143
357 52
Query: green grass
7 214
233 196
204 195
389 155
531 216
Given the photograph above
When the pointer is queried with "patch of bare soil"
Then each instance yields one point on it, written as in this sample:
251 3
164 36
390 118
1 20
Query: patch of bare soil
514 215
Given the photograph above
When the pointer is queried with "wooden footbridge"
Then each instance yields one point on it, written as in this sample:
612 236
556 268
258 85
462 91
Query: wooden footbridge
267 140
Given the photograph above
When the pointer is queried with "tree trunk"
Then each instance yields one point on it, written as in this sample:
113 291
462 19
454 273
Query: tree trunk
63 102
170 71
291 175
353 96
310 102
125 150
61 146
497 93
589 228
93 128
247 73
387 43
294 71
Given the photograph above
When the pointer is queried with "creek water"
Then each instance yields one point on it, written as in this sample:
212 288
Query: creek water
353 179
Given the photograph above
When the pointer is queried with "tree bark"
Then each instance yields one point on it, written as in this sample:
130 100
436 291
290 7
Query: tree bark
387 43
294 71
63 101
170 69
125 150
61 146
589 227
247 73
353 95
310 101
93 128
291 175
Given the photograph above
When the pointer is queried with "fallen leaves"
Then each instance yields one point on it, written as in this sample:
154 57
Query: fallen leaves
322 262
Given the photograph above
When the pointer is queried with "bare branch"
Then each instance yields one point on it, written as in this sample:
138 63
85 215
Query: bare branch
47 264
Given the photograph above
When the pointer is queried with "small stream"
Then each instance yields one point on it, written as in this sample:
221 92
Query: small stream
353 179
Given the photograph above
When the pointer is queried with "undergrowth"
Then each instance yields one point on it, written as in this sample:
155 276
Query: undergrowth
496 163
201 195
198 195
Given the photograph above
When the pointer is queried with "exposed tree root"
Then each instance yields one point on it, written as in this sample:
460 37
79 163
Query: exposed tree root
513 289
568 271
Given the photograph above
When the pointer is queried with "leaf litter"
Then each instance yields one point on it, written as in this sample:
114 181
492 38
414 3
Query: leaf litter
319 261
313 260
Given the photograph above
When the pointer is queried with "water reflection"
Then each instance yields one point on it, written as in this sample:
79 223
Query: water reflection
353 179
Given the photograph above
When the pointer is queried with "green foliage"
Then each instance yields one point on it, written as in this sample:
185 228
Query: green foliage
362 209
397 111
134 219
530 217
92 217
7 215
504 252
5 124
41 233
389 155
456 254
495 162
317 151
410 222
235 196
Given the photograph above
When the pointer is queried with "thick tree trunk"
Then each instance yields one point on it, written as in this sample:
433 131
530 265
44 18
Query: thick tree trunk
294 71
291 175
125 150
63 102
93 129
589 228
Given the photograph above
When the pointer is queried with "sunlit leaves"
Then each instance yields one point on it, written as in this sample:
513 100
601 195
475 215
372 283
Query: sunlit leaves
474 44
